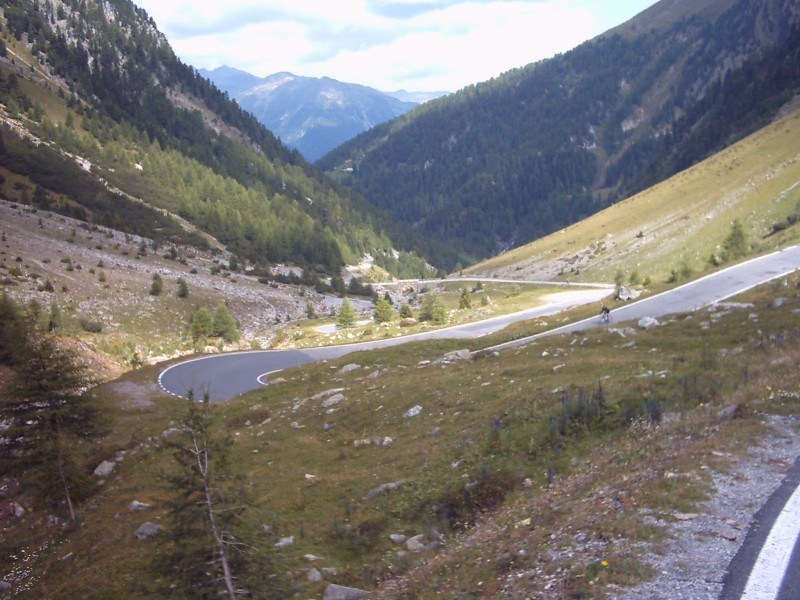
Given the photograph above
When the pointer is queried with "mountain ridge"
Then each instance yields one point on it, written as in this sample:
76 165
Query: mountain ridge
310 114
101 82
505 161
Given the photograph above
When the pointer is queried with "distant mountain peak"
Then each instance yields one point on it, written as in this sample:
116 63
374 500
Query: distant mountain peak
311 114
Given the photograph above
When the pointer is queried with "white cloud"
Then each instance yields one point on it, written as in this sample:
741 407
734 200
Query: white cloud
416 45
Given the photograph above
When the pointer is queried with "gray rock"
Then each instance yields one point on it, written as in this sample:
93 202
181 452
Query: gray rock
454 356
326 393
104 469
314 576
4 586
648 323
778 302
332 401
398 538
348 368
625 293
340 592
329 572
148 529
286 541
384 487
415 544
378 373
136 505
413 411
729 412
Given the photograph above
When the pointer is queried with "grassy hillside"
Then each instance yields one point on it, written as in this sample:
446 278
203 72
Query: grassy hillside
575 435
679 223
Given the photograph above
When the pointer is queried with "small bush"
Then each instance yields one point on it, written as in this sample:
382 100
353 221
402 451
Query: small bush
91 326
461 507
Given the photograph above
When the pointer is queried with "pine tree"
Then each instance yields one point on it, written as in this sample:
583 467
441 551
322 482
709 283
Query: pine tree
736 245
157 286
310 312
383 312
433 309
183 288
347 315
405 311
47 414
464 303
224 325
208 557
12 331
201 325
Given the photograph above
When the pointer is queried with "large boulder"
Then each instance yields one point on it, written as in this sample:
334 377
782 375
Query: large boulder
454 356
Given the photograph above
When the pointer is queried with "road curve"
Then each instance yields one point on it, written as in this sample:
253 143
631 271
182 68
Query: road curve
223 376
767 566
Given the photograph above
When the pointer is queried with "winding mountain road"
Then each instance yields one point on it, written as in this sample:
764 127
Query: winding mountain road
767 565
224 376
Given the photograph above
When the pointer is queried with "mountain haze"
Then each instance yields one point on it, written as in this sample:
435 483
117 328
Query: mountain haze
312 115
503 162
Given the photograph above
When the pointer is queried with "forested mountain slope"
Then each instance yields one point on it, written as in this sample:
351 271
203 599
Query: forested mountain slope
509 160
99 112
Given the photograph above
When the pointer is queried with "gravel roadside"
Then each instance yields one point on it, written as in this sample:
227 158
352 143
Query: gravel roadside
695 559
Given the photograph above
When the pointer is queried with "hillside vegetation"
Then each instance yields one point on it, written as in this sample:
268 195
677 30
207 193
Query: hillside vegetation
97 84
680 225
139 223
506 161
539 468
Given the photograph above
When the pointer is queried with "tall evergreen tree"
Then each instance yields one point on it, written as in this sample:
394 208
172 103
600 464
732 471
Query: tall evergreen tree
208 558
12 331
224 325
433 309
201 324
48 413
383 312
736 245
347 315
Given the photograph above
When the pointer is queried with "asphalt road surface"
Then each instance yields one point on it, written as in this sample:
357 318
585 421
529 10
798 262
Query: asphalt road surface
767 566
707 290
223 376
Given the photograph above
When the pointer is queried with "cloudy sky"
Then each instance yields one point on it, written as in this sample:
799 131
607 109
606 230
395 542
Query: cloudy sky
416 45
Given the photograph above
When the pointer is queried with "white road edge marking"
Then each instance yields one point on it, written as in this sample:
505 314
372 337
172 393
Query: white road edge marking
769 569
262 381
